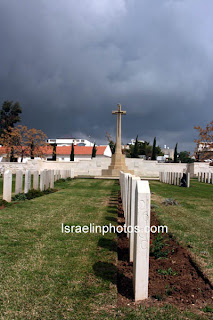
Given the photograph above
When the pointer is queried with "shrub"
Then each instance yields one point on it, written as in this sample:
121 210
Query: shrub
4 203
19 197
60 180
32 194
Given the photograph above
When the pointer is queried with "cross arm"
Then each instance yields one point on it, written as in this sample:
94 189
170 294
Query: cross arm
117 112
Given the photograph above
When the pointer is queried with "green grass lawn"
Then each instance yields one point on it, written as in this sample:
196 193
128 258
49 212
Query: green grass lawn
47 274
192 220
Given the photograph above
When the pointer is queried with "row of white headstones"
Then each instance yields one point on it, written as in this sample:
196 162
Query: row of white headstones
136 201
206 177
47 179
174 178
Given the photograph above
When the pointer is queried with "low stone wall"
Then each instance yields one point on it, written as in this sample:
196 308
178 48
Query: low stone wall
94 167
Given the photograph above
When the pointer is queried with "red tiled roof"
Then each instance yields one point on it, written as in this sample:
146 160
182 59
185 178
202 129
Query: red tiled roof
66 150
80 150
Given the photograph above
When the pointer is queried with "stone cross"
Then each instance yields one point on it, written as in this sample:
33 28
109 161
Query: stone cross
119 113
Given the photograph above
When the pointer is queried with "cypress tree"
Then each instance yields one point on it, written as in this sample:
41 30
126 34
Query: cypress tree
94 151
135 150
72 156
175 154
154 150
54 152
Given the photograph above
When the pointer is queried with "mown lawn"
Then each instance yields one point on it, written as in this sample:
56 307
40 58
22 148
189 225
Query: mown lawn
47 274
191 221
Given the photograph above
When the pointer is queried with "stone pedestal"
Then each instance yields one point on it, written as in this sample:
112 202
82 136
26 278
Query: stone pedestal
117 164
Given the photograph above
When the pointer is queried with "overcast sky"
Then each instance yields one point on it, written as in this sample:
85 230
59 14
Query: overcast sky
70 62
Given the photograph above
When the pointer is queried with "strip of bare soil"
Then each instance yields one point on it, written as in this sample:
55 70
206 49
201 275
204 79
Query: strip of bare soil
172 276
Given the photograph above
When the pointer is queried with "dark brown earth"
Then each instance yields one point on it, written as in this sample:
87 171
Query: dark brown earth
184 287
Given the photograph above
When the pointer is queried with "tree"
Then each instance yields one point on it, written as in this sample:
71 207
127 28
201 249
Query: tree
21 141
135 151
175 154
9 115
72 156
35 139
54 151
159 151
145 149
111 143
94 150
184 157
205 140
154 150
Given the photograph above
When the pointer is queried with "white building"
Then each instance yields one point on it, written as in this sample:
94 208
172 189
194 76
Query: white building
70 141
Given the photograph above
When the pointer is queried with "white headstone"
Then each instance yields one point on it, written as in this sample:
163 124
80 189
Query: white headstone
7 185
19 182
27 181
188 180
208 177
52 179
72 173
141 241
165 177
132 216
35 180
198 176
202 176
128 202
42 178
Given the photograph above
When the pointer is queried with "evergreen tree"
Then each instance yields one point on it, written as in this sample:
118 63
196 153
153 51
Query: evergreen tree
112 146
94 150
154 150
9 115
54 152
72 156
175 154
135 149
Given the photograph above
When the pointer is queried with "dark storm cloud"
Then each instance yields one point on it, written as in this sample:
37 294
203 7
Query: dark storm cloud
70 62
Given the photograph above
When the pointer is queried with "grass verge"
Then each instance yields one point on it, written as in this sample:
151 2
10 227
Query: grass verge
191 221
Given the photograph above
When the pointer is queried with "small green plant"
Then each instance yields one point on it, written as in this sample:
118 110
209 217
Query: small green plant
170 202
158 297
168 272
170 290
154 206
157 247
208 309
